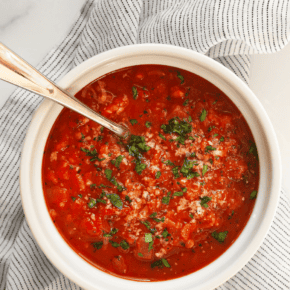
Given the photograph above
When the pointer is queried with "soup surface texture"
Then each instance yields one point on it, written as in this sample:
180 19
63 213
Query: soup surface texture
170 199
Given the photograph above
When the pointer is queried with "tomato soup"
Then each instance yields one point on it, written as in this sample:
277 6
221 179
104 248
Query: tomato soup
171 198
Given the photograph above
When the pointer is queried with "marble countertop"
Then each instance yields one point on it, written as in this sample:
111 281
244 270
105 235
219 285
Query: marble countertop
31 28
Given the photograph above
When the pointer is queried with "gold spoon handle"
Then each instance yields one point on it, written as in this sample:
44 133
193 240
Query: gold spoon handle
15 70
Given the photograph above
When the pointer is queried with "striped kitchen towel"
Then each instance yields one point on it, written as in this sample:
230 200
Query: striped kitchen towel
228 31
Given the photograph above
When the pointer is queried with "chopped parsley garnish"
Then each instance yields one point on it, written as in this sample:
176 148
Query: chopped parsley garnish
184 189
158 174
180 77
210 161
182 128
186 169
253 150
203 115
133 122
189 120
80 195
92 153
157 263
253 194
93 185
148 237
168 162
102 129
166 199
118 161
165 263
209 148
204 200
148 124
115 200
108 173
150 246
191 215
204 169
185 102
165 233
139 166
92 203
101 201
98 245
153 215
178 193
127 198
147 225
220 237
231 215
140 254
111 233
135 93
114 244
73 198
175 172
162 137
124 245
136 147
222 139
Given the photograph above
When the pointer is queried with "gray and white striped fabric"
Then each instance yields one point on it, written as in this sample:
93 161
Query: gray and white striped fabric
228 31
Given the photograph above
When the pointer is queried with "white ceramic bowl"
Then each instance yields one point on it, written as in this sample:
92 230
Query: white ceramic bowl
211 276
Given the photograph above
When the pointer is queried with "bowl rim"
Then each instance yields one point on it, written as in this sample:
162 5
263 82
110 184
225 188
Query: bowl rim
170 51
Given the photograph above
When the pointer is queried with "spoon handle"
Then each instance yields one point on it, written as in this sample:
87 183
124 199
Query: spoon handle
15 70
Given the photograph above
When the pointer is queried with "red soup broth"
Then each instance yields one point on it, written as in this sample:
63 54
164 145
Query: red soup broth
166 202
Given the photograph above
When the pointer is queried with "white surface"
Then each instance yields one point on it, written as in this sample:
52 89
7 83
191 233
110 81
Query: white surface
31 28
211 276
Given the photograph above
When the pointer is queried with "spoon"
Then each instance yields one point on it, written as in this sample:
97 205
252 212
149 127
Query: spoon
16 71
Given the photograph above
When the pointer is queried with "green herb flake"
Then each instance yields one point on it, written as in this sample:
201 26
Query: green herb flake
162 137
253 194
210 161
80 195
124 245
191 215
185 102
166 199
150 246
92 203
127 198
165 263
92 153
153 215
97 245
114 244
184 189
209 148
180 77
73 198
220 237
115 200
203 115
222 139
148 238
204 200
133 122
135 93
118 161
140 254
178 193
101 201
175 172
148 124
165 233
93 185
108 173
204 169
158 174
230 217
186 169
189 119
157 263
